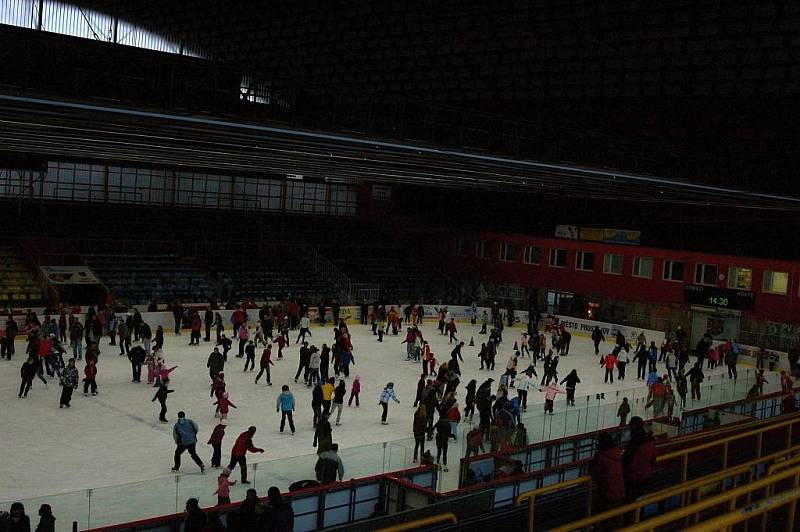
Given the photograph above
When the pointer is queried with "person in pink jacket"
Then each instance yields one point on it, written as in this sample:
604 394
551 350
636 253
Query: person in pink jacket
224 484
550 395
244 336
151 368
224 404
354 391
162 372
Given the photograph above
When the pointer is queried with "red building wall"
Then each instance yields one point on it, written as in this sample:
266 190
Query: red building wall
625 286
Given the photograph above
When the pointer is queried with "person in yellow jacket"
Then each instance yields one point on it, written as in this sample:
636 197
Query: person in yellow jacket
327 396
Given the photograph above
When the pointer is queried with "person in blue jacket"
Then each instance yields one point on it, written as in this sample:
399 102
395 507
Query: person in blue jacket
652 356
285 404
185 435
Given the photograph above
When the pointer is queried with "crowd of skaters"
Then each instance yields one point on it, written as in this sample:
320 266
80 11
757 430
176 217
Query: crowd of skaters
499 428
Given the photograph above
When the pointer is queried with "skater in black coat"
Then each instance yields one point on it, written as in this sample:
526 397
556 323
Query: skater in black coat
161 395
137 357
27 372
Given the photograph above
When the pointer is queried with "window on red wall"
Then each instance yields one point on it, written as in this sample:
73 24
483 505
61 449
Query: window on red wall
612 263
483 249
508 252
643 267
673 270
532 254
741 278
584 261
462 247
776 282
558 258
705 274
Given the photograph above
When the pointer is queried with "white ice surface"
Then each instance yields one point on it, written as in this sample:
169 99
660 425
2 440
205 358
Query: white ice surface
114 438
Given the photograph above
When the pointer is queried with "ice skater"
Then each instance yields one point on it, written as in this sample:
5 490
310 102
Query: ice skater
250 352
161 394
224 404
244 336
224 484
90 376
265 363
282 342
69 382
338 401
550 393
285 405
215 441
243 445
305 329
386 396
27 372
184 432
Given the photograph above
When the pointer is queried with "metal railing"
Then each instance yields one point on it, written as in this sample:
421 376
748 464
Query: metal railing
727 502
420 523
688 492
760 509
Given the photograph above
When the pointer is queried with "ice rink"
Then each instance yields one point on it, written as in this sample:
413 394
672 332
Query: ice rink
107 459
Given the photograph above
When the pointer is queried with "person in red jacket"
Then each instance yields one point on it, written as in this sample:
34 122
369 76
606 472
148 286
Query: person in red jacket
238 318
451 330
610 362
606 471
454 418
90 372
197 325
45 350
215 441
243 444
638 460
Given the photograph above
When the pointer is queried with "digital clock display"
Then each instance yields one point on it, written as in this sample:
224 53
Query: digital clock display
714 296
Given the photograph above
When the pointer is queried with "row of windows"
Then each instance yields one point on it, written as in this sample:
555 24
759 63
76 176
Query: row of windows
67 181
741 278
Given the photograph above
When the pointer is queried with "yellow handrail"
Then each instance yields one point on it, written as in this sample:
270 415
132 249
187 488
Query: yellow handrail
759 432
426 521
530 496
728 498
785 464
682 489
724 522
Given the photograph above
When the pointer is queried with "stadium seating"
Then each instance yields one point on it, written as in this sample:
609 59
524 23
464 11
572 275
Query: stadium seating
403 275
18 285
269 274
139 279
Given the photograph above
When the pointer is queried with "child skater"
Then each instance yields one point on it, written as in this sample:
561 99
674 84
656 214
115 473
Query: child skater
150 360
224 484
161 394
223 405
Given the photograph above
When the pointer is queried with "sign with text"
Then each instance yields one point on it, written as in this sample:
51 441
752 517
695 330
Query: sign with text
712 296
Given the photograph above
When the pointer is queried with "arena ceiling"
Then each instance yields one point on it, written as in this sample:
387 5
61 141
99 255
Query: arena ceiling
693 79
104 133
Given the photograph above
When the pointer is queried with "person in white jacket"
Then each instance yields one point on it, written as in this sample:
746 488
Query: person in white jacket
313 366
305 329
